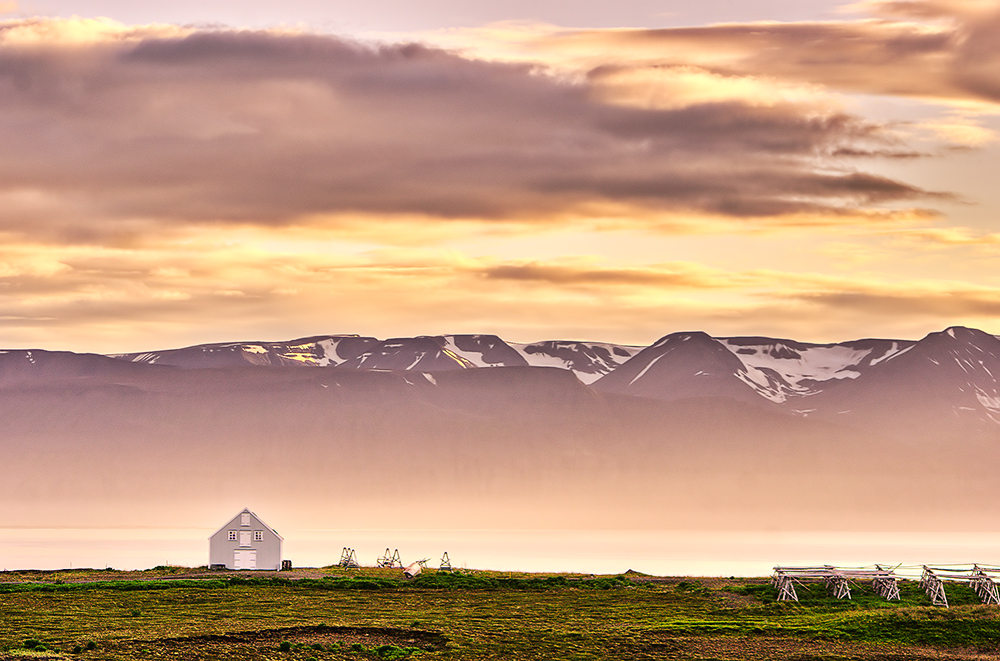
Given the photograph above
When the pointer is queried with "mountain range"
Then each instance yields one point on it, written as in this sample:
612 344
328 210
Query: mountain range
692 431
949 374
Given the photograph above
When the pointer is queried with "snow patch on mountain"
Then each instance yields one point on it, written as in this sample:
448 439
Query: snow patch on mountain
782 369
895 351
322 351
480 351
813 363
778 370
588 360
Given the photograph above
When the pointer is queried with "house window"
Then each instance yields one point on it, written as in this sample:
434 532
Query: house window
258 535
245 519
232 535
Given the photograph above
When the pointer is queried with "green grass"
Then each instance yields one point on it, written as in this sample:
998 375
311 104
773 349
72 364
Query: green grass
374 614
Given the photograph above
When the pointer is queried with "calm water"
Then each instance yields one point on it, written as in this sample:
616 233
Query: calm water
608 551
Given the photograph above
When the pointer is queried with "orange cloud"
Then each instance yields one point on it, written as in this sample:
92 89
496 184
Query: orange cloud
947 237
938 51
918 54
79 298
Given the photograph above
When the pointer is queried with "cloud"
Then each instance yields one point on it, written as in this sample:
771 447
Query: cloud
955 304
123 299
946 238
961 130
938 52
110 132
41 32
660 276
947 10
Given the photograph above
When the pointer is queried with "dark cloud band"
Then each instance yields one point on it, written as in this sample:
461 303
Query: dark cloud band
267 128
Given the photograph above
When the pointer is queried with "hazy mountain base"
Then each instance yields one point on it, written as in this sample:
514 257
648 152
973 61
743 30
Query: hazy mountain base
374 614
114 443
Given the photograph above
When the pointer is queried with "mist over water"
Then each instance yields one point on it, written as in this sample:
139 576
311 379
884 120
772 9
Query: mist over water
664 553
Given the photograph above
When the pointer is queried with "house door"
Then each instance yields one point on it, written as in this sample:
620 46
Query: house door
245 559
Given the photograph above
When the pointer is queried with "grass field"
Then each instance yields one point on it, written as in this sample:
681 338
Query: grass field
370 614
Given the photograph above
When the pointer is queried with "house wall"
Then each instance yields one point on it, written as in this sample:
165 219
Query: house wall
221 550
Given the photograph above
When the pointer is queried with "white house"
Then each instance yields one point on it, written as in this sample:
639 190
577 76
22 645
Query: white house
246 542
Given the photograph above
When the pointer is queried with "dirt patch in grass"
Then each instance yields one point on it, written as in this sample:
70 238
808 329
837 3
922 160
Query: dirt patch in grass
767 648
253 644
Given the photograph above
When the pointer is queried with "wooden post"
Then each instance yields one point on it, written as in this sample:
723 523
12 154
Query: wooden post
934 587
885 584
984 586
786 588
838 586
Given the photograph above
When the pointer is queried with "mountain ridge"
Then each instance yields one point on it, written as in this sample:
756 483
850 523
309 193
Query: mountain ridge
946 373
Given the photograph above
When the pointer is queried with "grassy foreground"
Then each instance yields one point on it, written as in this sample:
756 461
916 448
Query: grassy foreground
369 614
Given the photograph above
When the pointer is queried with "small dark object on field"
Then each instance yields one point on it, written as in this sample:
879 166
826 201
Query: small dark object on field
91 645
357 647
31 644
77 649
285 646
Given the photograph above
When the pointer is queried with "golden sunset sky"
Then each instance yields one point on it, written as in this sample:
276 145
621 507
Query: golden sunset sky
209 171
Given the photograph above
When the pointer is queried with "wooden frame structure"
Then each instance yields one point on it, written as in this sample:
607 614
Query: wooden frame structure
982 579
390 560
985 585
348 559
886 584
933 585
838 580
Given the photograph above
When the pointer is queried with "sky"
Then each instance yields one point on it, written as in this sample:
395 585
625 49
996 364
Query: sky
189 172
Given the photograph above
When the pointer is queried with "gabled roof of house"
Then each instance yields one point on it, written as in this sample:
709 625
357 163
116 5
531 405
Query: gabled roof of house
254 515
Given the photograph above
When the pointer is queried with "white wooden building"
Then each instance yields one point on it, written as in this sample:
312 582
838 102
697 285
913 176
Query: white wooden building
246 542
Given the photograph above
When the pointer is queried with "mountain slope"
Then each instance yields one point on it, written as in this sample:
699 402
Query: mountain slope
683 366
521 446
944 384
678 436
